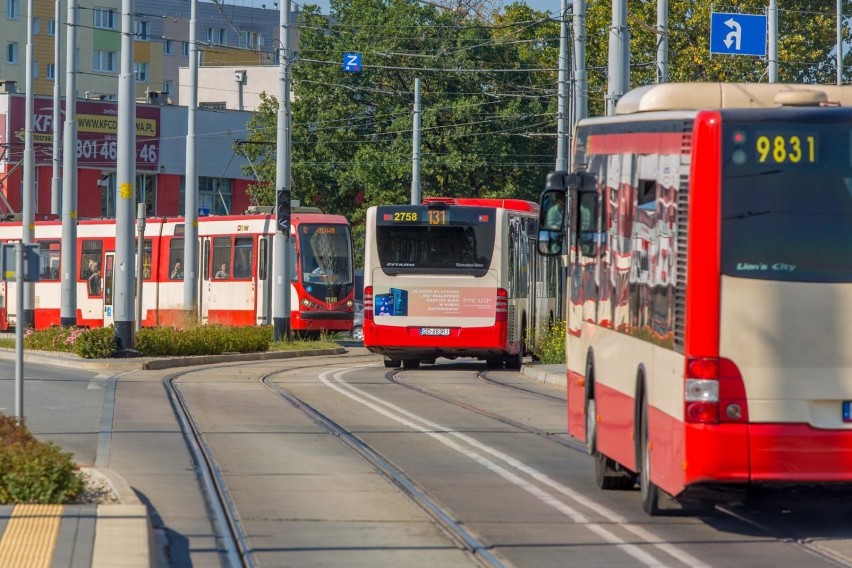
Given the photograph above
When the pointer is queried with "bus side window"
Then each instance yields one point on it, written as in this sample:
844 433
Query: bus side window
587 233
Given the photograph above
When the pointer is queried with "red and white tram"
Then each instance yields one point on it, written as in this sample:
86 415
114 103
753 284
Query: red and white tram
235 272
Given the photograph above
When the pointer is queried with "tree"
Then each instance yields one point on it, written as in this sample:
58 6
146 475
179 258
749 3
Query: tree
488 91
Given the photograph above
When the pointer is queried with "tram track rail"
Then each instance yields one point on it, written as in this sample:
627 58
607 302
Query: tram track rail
476 549
807 545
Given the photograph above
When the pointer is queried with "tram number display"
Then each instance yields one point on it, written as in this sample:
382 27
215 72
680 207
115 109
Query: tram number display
786 148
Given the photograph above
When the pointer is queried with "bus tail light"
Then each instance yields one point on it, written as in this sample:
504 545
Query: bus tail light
368 303
502 305
714 392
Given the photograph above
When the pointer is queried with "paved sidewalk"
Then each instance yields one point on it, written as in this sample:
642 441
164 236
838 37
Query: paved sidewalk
120 535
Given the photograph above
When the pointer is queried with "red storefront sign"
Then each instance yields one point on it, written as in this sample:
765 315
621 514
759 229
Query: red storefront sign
97 133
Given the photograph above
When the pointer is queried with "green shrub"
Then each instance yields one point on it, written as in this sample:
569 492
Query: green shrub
53 338
203 340
98 343
32 471
550 350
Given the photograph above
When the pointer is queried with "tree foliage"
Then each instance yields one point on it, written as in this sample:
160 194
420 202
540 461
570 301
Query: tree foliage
488 89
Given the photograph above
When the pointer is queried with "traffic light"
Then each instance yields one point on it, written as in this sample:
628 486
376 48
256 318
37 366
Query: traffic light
283 210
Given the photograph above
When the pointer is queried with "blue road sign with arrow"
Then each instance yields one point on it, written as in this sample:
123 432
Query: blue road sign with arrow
738 34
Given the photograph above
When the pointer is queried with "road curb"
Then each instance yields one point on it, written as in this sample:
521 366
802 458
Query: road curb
59 359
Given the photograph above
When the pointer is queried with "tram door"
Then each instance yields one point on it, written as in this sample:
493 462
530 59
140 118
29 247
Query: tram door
264 279
204 281
109 287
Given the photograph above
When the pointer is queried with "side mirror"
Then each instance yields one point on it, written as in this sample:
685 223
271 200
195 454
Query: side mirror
551 221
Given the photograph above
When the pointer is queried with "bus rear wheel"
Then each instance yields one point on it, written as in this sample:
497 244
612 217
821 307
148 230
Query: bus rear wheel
391 363
410 363
650 493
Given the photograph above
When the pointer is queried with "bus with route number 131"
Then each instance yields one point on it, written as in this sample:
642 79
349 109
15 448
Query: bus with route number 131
456 277
709 287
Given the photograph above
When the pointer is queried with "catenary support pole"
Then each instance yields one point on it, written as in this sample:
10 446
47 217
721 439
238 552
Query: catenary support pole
772 24
662 41
29 190
415 146
562 125
124 271
55 183
617 69
68 255
191 269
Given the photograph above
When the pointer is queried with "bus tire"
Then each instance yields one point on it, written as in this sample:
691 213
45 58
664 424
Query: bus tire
650 493
591 427
493 363
410 363
392 363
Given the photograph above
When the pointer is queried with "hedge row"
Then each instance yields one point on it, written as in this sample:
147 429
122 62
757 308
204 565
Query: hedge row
100 343
32 471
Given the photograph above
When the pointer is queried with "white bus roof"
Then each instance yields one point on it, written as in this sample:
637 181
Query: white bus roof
697 96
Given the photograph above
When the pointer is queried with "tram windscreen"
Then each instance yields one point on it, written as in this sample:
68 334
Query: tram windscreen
414 239
787 199
325 253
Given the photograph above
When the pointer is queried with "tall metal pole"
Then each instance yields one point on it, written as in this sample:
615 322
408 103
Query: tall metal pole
19 334
141 210
55 184
415 146
580 108
25 318
190 242
662 41
68 255
772 22
839 42
123 274
281 241
562 101
617 71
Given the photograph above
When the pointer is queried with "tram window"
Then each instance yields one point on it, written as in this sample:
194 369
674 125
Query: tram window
176 264
243 256
261 260
48 252
146 257
222 257
91 255
206 271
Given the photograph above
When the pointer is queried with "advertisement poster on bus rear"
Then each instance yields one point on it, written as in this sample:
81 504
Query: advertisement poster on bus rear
436 302
97 133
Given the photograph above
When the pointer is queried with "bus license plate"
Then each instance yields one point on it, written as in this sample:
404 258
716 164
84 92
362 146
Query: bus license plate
847 410
434 331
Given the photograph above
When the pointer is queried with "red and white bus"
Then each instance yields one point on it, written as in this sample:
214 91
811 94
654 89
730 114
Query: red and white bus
455 278
235 272
710 281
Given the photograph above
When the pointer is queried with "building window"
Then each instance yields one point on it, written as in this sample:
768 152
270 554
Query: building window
142 72
141 30
51 71
250 40
214 196
51 27
103 60
12 52
184 49
167 47
36 26
104 18
168 86
146 192
12 9
35 70
216 36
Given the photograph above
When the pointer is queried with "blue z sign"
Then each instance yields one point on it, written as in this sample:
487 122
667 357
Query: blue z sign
352 62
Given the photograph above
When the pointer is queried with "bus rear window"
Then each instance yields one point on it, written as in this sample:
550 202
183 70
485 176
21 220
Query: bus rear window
462 245
787 201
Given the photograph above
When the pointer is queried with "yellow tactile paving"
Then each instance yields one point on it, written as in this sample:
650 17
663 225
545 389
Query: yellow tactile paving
30 536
